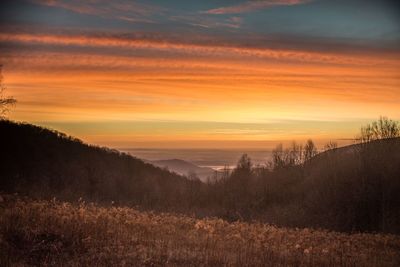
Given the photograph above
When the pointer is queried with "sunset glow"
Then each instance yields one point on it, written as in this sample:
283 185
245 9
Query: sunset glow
210 74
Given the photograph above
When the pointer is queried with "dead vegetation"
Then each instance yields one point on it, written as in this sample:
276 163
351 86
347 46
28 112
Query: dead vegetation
53 233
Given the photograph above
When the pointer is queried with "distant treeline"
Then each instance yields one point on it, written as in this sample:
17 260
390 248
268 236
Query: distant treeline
354 188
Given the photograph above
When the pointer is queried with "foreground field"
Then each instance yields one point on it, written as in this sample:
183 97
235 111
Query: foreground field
52 233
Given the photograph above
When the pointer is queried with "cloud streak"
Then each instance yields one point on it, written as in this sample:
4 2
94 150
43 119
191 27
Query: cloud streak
199 20
120 9
166 45
251 6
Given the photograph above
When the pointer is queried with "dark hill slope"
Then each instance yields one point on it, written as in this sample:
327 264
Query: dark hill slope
353 186
43 162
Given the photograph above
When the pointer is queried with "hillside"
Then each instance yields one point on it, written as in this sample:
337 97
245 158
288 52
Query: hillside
359 184
44 163
347 189
80 234
184 168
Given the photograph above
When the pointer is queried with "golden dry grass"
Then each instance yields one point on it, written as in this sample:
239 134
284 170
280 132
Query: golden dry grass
52 233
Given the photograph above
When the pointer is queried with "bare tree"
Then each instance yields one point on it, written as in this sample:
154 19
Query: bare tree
289 157
310 150
5 101
244 163
296 154
330 146
278 157
381 129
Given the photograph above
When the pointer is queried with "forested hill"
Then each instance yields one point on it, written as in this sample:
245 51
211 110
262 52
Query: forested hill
355 188
44 163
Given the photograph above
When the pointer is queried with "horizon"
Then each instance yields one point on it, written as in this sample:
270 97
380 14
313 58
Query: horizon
190 75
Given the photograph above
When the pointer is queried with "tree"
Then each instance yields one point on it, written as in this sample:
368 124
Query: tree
5 101
310 150
296 154
238 186
381 129
278 160
330 146
289 157
244 163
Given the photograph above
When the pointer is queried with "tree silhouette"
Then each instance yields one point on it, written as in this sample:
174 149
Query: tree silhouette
310 150
330 146
381 129
5 101
292 156
244 163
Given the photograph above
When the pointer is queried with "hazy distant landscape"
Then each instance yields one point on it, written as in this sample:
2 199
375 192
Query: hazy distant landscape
212 158
216 159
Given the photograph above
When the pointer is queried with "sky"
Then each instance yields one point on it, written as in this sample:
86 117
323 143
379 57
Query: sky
202 74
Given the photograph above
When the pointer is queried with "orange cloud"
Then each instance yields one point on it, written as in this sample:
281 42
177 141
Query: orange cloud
170 46
80 78
186 89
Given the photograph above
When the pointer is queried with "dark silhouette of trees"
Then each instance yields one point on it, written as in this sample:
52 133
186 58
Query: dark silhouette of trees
377 189
381 129
330 146
297 154
244 164
292 156
279 157
310 150
5 101
238 187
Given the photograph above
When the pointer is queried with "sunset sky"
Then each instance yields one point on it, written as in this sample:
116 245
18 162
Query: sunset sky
211 73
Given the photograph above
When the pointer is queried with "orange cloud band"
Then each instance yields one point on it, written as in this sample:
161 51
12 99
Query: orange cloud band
306 56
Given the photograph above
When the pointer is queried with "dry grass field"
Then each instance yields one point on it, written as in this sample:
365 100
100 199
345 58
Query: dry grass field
53 233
